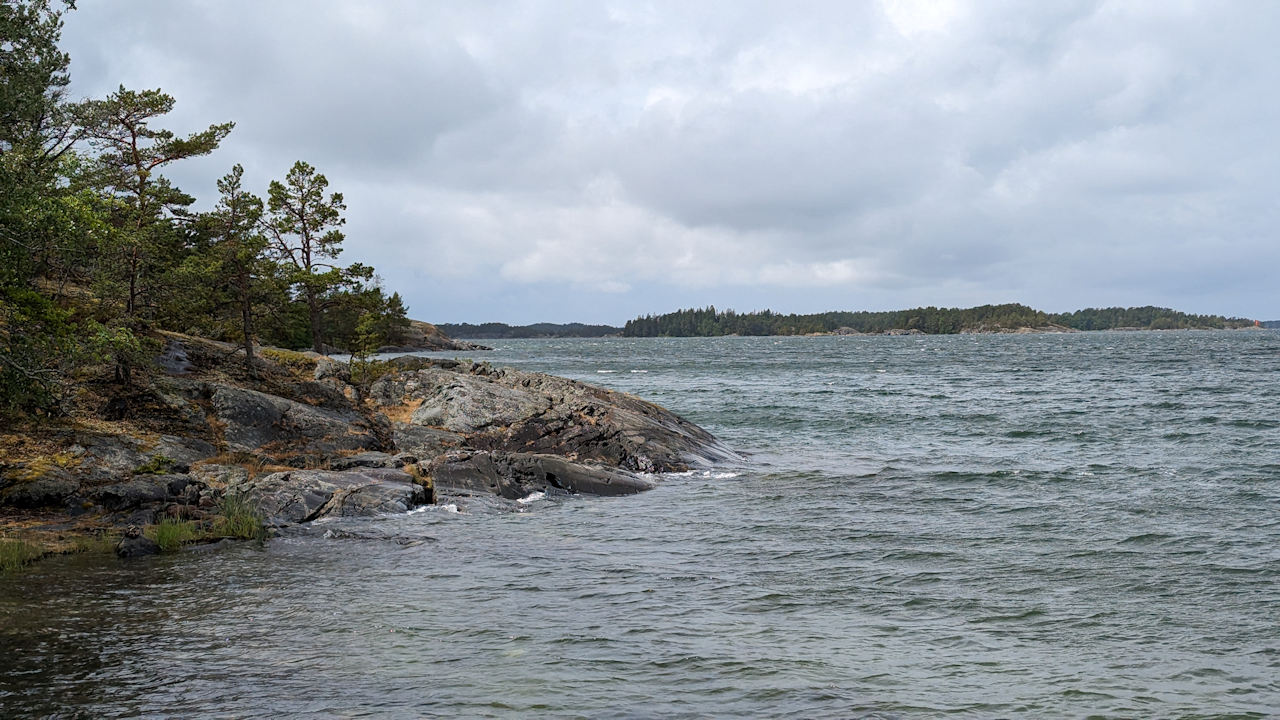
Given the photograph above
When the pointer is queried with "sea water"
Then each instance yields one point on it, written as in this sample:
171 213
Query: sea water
970 526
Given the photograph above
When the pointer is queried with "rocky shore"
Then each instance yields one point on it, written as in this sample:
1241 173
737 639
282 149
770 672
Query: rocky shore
308 437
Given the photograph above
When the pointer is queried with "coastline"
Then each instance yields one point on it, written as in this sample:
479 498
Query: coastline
198 444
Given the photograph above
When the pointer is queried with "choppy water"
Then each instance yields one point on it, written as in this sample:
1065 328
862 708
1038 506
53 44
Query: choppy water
991 526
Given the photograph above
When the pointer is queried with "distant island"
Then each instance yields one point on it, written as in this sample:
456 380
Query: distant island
503 331
1008 318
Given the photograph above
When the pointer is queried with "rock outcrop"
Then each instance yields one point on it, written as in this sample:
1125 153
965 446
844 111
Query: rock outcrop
517 475
420 336
505 410
202 428
287 498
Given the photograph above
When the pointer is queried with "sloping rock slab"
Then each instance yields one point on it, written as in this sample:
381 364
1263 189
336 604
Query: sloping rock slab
298 496
517 475
511 411
54 486
138 492
255 420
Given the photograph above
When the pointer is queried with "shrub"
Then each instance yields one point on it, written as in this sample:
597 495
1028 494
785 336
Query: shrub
157 465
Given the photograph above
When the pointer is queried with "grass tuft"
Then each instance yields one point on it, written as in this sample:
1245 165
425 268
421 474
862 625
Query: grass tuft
238 517
172 534
15 554
296 361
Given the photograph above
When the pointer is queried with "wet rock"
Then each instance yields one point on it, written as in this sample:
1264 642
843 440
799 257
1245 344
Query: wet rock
173 359
516 475
135 544
304 495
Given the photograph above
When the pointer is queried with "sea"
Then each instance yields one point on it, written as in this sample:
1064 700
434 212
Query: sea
972 526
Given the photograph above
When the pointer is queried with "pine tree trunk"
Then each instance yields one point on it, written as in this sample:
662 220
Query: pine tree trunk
313 307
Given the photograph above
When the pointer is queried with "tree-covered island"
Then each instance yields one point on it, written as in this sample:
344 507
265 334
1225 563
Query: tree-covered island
709 322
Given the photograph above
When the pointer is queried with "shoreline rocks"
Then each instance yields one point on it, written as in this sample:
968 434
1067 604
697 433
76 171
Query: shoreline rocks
303 440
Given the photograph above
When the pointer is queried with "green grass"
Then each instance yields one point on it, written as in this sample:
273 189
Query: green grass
238 517
172 534
15 554
101 542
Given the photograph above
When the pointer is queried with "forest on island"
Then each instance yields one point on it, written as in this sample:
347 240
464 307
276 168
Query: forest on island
709 322
99 250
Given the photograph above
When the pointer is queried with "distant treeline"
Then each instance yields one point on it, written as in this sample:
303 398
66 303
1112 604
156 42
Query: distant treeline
1273 324
503 331
709 322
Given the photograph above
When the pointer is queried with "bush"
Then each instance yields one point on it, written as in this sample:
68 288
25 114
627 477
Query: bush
157 465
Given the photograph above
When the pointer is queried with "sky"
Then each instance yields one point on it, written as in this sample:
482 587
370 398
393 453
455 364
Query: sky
595 161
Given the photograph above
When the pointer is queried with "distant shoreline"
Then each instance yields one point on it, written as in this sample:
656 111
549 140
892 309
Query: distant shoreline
984 319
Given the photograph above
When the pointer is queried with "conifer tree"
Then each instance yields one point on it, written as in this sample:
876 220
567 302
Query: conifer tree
238 251
303 224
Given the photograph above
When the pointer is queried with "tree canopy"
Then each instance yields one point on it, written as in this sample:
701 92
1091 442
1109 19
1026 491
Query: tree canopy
99 250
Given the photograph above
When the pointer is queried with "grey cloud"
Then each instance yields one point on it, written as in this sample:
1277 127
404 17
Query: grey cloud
514 160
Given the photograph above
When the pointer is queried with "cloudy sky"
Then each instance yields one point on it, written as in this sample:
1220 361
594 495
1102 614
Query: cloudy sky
592 161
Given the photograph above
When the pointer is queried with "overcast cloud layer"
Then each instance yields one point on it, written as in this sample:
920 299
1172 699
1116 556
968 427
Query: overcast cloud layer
593 161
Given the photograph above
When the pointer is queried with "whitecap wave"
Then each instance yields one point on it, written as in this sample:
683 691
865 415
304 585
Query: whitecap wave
606 372
532 497
706 474
639 371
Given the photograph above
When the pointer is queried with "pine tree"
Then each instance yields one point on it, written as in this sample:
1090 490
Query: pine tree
303 225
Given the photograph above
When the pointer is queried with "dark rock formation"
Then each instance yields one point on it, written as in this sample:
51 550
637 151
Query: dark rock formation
255 420
467 427
135 493
27 487
516 475
135 544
